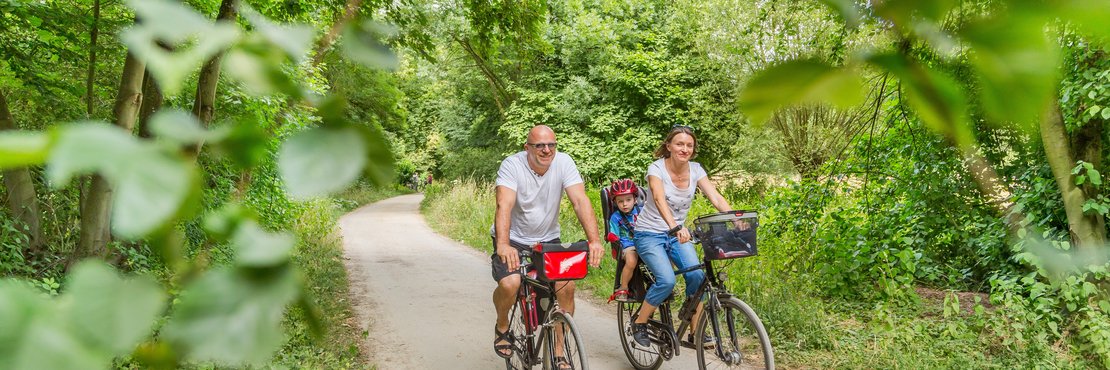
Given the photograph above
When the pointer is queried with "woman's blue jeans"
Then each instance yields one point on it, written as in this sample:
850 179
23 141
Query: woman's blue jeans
658 250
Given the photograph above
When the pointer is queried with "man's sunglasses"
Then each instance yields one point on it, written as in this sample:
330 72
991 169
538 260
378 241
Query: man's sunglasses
540 146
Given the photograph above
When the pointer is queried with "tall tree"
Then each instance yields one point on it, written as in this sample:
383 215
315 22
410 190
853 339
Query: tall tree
22 198
1086 229
204 105
96 209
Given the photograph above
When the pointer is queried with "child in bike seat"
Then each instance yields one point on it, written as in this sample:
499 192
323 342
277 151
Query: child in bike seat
622 223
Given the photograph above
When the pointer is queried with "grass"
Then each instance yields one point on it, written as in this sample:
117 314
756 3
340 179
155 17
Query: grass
808 330
319 256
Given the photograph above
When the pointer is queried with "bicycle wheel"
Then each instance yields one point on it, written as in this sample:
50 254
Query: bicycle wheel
563 341
742 342
641 358
522 346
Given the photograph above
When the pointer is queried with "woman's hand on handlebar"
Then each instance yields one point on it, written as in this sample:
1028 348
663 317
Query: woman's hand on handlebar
683 235
509 256
680 232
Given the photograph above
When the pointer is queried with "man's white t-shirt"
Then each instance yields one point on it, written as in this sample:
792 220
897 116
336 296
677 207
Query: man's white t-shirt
535 216
679 200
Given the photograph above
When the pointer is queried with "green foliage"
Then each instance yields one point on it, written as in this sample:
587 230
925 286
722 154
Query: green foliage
227 315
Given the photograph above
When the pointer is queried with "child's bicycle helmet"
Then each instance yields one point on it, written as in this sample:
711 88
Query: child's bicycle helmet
622 187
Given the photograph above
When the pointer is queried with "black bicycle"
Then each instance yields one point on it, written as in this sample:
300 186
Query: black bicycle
536 321
739 340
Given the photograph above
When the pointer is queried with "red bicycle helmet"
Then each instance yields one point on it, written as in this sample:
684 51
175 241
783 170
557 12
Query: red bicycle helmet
622 187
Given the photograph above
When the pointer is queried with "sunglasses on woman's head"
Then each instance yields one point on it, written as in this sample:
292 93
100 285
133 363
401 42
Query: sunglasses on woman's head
678 127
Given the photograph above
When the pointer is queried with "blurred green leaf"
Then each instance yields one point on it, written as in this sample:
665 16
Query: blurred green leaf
232 318
363 43
246 144
23 148
256 247
799 82
379 168
32 336
904 12
259 67
936 97
151 186
193 38
295 40
1090 16
1017 66
112 312
181 127
846 9
321 160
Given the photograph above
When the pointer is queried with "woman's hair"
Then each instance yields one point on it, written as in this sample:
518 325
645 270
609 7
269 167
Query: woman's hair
663 152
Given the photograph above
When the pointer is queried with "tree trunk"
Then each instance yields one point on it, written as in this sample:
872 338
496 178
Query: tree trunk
22 199
152 102
91 75
204 106
1086 230
96 212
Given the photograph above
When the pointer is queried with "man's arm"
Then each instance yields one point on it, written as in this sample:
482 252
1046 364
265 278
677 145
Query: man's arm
585 212
506 199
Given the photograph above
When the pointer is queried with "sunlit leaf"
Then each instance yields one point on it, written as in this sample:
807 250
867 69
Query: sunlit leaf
231 317
255 247
22 148
322 160
1017 66
799 82
296 40
151 185
110 311
363 42
936 97
182 127
193 38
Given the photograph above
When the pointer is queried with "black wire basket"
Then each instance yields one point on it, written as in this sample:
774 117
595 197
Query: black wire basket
727 235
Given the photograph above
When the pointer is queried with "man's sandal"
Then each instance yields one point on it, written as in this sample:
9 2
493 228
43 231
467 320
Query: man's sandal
501 349
621 295
561 363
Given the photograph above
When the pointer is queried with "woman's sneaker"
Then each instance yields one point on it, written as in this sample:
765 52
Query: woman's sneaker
640 335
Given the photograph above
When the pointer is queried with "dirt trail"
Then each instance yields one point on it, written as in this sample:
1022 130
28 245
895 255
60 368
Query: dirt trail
426 298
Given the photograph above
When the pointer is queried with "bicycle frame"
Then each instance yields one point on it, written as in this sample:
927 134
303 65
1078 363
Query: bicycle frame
537 322
713 286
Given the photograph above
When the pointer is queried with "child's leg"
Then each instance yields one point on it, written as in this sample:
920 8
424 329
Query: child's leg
629 266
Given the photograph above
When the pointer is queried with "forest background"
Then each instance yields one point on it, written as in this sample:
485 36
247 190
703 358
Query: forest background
928 174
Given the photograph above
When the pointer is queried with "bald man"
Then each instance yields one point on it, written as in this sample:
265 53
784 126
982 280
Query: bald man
530 185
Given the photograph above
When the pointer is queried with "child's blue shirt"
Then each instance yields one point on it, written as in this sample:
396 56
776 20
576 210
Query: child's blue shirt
622 226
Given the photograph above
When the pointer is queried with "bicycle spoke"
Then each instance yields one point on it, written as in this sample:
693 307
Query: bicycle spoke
742 342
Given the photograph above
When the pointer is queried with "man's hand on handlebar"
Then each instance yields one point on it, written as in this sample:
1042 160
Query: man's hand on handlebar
596 251
509 256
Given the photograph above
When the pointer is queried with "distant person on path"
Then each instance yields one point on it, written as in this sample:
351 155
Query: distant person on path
622 224
672 180
530 185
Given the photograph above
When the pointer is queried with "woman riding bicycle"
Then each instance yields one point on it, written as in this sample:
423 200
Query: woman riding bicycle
671 183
